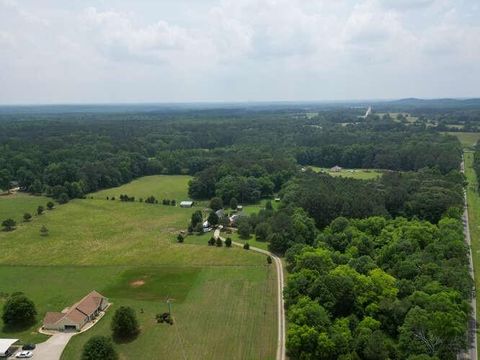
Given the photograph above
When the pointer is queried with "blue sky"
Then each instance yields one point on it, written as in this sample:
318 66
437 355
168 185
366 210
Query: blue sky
74 51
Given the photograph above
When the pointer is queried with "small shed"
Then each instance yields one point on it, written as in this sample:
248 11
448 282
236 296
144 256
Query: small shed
336 168
186 204
5 345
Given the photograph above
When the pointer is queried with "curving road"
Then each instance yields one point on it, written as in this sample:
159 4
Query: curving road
280 283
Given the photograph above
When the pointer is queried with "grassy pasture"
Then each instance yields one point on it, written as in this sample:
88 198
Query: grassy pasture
173 187
15 205
224 299
359 174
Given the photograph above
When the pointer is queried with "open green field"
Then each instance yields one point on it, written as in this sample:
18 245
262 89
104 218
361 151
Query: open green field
15 205
473 198
172 187
224 299
468 139
359 174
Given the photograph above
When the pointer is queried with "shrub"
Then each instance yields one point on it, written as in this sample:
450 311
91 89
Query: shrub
43 231
27 217
9 224
124 323
99 348
269 259
219 242
40 210
50 205
211 241
246 246
228 242
180 238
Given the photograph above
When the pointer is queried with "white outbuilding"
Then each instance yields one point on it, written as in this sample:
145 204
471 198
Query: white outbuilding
6 344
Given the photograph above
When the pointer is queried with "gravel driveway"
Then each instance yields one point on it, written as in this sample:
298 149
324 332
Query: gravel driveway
52 348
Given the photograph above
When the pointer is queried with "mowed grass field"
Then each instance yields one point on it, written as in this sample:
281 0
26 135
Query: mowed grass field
359 174
15 205
172 187
223 299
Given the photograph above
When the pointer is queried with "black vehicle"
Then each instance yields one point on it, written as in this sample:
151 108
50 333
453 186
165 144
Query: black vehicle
28 347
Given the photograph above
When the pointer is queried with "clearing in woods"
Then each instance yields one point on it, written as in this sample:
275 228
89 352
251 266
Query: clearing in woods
359 174
224 300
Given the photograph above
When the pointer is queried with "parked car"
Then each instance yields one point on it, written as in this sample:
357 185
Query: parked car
28 347
24 354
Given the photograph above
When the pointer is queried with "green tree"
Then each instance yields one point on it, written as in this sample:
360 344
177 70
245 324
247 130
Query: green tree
196 218
219 242
180 238
228 242
212 218
268 205
9 224
18 310
124 323
99 348
36 187
233 203
50 205
63 198
216 204
27 217
262 231
246 246
40 210
244 228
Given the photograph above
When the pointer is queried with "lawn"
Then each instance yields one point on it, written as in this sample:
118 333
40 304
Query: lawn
468 139
172 187
473 199
224 299
359 174
15 205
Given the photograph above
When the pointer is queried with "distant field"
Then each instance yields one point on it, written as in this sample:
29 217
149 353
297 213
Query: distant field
173 187
468 139
360 174
224 299
14 206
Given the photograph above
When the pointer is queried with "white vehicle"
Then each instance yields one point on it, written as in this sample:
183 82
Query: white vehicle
24 354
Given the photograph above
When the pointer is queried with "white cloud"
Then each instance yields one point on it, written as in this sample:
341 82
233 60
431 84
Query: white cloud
237 49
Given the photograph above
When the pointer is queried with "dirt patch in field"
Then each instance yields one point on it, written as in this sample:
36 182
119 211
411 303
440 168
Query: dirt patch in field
137 283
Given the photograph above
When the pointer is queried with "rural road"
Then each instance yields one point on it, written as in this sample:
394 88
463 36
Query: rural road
471 354
281 309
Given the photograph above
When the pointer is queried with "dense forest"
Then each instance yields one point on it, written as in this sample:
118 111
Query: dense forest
379 289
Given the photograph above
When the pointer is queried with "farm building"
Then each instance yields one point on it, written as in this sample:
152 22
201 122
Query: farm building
186 204
336 168
220 213
75 317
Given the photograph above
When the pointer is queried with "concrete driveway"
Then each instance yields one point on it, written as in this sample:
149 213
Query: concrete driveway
52 348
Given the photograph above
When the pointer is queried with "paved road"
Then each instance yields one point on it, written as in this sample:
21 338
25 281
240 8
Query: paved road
280 283
52 348
471 354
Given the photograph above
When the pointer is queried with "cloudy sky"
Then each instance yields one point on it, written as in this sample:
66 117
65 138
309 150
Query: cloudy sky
77 51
